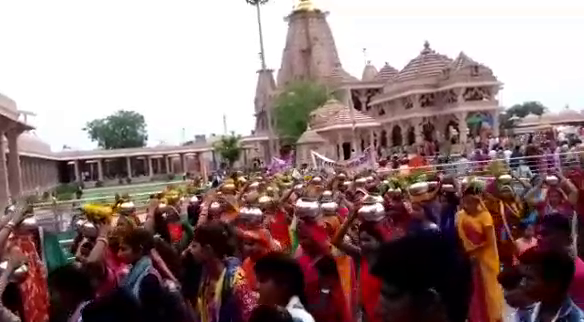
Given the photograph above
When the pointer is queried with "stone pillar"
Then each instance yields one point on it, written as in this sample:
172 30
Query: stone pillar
4 190
339 151
371 139
76 170
418 130
202 167
462 127
183 161
167 163
150 167
129 166
14 171
100 169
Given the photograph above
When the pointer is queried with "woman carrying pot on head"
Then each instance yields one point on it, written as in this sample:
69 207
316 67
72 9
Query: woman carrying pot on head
374 229
29 298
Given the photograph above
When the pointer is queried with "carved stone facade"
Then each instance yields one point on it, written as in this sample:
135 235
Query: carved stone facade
433 98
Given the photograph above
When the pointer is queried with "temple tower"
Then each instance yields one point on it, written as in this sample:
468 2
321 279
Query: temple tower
310 51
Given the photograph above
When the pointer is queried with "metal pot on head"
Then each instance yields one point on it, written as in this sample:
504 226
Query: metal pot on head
18 275
306 208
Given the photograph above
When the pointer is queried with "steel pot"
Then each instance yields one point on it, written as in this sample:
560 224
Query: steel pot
372 212
265 201
448 188
432 185
329 208
29 223
251 214
552 180
18 275
307 208
418 188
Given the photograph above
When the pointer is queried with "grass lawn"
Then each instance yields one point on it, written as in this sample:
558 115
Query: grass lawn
132 189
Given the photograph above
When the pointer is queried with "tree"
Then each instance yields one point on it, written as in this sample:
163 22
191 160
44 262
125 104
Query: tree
123 129
507 119
229 148
293 106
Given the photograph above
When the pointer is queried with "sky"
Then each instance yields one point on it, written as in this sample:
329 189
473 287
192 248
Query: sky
184 64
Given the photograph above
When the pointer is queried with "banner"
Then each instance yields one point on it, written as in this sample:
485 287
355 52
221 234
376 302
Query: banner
279 165
358 163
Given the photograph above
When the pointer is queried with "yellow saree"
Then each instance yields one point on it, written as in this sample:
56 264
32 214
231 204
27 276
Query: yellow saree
478 237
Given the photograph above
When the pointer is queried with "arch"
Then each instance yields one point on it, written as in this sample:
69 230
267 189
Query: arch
451 135
396 136
411 136
383 139
428 131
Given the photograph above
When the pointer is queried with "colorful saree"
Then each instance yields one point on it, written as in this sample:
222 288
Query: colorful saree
34 289
478 238
345 265
229 299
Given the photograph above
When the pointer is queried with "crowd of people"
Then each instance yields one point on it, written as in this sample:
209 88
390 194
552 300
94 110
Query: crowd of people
378 245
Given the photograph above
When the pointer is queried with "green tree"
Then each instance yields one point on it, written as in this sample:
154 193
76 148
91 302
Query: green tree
229 148
519 111
123 129
293 106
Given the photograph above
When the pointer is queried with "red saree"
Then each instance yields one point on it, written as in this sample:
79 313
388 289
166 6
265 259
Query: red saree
34 289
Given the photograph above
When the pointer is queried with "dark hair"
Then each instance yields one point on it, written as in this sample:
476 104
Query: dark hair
219 236
404 263
270 313
193 212
284 271
557 223
139 239
73 280
169 255
326 266
117 306
510 278
553 266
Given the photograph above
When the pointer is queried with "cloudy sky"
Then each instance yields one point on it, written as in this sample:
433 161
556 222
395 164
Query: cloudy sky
186 63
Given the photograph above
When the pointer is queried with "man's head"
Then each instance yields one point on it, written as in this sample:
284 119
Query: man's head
547 273
279 278
555 232
426 277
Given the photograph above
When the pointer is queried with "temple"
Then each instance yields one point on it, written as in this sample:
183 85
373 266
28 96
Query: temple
432 98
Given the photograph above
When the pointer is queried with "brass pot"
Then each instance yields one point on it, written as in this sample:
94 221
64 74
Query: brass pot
316 180
505 179
265 201
342 176
18 275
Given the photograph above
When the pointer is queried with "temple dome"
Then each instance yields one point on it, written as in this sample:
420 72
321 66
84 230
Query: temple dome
29 142
310 136
369 73
335 115
427 64
386 73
